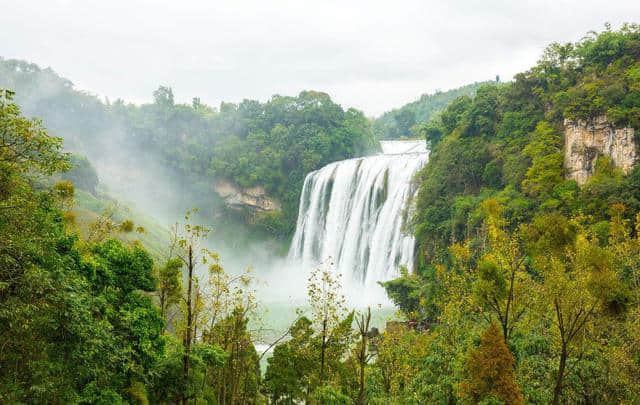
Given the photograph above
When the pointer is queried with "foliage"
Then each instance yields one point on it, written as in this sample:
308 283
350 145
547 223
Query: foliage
283 140
399 353
505 241
82 174
328 395
508 139
490 369
78 315
76 324
316 350
25 145
501 287
169 285
288 375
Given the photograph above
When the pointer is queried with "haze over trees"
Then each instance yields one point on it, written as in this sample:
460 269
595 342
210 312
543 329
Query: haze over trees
272 145
405 121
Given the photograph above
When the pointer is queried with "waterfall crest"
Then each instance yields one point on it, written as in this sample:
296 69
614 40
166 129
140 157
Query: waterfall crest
351 216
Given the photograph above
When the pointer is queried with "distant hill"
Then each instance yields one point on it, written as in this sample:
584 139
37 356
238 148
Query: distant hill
397 123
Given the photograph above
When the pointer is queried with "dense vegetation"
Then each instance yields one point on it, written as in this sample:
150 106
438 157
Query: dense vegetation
286 138
509 247
272 145
526 291
400 122
85 319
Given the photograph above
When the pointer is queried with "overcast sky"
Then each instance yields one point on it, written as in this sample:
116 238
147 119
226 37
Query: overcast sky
367 54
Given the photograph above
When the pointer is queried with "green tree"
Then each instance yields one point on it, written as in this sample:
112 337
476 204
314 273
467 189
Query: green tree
186 247
76 324
169 285
327 395
237 382
328 308
289 369
399 355
502 286
545 152
578 280
362 354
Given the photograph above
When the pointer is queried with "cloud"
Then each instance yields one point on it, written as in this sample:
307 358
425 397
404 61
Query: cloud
372 55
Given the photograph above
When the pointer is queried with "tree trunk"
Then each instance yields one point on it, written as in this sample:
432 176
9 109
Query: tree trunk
163 311
187 338
363 328
505 324
322 349
162 299
362 400
557 392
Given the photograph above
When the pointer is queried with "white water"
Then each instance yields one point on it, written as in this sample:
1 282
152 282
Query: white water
351 216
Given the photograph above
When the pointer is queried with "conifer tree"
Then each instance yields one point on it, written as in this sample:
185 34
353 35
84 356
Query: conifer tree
491 371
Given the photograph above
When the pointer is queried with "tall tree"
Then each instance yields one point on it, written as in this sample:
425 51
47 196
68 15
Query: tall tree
187 242
362 322
328 307
579 279
501 283
491 371
289 369
169 285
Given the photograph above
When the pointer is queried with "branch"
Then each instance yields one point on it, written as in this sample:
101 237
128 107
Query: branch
278 340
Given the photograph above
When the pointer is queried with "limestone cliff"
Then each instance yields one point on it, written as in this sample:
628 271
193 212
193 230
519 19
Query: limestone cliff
253 198
586 141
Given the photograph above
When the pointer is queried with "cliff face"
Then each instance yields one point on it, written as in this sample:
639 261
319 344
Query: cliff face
253 199
586 141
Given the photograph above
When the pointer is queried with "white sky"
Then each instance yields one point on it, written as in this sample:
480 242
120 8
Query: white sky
372 55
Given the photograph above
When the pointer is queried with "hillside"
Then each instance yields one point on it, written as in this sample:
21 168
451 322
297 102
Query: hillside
398 122
526 221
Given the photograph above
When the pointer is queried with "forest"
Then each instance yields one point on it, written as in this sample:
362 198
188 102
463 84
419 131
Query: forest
526 288
272 144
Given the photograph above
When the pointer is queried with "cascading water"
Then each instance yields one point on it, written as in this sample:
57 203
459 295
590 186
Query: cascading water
351 215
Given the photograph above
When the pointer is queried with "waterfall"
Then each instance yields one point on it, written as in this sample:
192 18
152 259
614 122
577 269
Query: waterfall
352 212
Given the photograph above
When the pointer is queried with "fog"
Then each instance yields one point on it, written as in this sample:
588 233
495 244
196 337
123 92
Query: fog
157 193
147 187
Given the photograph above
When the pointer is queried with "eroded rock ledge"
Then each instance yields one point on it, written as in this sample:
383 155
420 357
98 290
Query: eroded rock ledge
253 198
586 141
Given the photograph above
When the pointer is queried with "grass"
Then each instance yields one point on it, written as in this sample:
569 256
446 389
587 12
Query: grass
89 208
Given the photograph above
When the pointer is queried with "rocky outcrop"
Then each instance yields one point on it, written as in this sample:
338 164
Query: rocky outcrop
253 198
586 141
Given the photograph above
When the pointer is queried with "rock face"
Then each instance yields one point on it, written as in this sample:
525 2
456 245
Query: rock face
586 141
253 198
